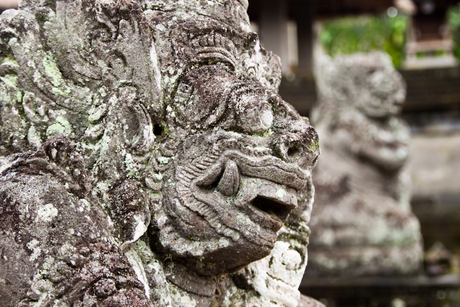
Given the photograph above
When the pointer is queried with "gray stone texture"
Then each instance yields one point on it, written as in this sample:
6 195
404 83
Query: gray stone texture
362 222
435 163
146 158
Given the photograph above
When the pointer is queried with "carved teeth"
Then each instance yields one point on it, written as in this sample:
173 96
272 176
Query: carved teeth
230 181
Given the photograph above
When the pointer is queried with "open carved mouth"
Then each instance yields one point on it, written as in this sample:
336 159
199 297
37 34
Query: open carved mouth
267 202
263 188
272 205
273 208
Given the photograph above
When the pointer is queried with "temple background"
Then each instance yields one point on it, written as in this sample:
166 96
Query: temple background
431 69
290 29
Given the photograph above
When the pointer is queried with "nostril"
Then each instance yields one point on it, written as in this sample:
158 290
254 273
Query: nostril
289 147
294 150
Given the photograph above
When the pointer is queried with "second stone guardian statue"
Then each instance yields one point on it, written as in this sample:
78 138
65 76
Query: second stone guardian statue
362 223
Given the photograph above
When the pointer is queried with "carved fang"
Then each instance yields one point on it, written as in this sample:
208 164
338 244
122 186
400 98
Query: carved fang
230 181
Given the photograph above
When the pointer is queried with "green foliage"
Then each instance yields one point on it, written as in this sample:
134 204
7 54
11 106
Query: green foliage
453 18
365 34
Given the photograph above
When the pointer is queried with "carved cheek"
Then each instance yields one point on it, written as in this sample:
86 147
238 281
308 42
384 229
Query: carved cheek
255 116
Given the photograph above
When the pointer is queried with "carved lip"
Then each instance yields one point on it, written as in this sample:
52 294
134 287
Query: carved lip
267 167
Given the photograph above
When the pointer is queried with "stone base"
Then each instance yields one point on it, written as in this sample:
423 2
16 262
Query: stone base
385 291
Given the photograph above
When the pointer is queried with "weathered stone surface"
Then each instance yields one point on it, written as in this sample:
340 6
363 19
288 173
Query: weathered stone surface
362 222
146 158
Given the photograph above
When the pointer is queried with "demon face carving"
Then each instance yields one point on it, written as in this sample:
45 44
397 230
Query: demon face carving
235 181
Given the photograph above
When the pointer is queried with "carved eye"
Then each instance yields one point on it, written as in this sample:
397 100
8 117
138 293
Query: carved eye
376 77
371 71
184 89
101 35
255 114
183 94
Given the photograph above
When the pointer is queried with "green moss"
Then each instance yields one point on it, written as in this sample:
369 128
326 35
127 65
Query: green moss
33 137
54 129
10 80
53 72
314 146
265 133
10 60
132 168
64 122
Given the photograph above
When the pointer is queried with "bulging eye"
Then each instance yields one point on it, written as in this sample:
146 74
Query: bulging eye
377 77
254 113
104 36
184 95
371 71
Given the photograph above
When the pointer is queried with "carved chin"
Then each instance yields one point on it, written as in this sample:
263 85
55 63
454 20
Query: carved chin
229 206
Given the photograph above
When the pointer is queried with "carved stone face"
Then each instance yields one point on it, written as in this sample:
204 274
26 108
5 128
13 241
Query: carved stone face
385 86
236 177
368 82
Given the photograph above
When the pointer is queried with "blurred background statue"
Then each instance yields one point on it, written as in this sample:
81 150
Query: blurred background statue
362 222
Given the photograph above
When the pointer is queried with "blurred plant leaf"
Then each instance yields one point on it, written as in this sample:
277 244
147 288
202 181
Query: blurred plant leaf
365 34
453 19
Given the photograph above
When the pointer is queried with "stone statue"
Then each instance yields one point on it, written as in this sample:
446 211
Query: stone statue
146 158
362 224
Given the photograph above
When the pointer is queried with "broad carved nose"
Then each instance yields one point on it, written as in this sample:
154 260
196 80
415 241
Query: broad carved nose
298 143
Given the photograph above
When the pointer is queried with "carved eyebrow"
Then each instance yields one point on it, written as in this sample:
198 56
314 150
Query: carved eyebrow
214 47
214 56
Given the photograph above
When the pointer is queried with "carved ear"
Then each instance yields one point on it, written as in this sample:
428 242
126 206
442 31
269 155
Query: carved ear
125 139
136 123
